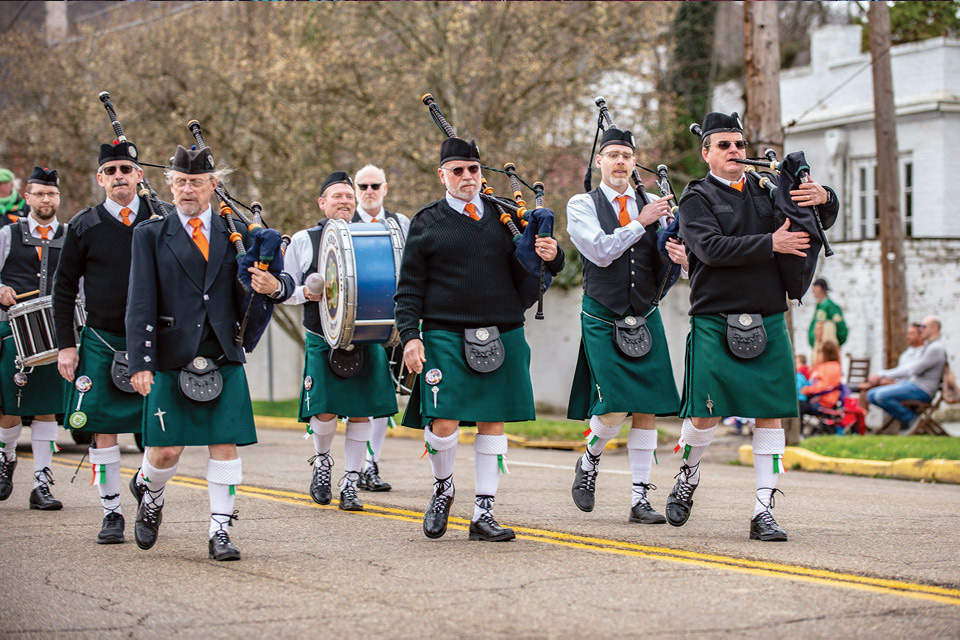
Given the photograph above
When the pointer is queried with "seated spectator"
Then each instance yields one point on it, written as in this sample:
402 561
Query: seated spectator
914 347
824 388
917 379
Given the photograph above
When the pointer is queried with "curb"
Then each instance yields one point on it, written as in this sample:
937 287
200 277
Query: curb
467 436
947 471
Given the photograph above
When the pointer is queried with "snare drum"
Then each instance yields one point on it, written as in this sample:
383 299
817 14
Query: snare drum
33 332
361 264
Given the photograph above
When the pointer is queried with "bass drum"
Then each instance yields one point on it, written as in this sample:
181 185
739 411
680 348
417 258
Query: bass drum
360 263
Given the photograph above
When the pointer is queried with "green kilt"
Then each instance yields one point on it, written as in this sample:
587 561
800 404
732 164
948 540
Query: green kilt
718 384
369 393
45 389
108 410
606 381
504 395
172 419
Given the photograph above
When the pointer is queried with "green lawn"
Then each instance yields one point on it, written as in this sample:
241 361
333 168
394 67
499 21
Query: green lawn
534 430
884 447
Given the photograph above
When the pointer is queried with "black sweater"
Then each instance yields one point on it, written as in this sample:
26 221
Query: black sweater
458 273
97 248
729 237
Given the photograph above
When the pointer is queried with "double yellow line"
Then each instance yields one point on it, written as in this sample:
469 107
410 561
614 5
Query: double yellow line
605 545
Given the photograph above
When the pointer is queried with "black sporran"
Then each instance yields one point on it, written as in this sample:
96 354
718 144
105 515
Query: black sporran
201 380
346 364
483 349
632 336
746 337
120 372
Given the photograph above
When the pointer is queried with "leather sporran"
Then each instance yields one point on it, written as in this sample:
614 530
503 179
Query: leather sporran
201 380
120 372
346 364
746 336
483 349
632 337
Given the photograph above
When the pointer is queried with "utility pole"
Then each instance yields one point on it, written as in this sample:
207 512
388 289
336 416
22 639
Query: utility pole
761 49
888 187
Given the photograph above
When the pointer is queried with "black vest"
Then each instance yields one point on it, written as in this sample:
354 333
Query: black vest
630 282
22 269
387 214
311 310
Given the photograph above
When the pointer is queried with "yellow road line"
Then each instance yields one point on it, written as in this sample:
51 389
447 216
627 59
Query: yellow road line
619 547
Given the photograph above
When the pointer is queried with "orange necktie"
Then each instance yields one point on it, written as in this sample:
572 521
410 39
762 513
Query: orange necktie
43 234
199 238
624 214
471 210
373 219
738 185
125 213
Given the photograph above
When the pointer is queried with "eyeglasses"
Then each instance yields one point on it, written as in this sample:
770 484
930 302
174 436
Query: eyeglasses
45 194
618 155
180 183
375 186
723 145
474 169
922 326
125 169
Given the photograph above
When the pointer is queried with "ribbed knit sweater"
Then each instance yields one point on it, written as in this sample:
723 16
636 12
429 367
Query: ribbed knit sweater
97 248
458 273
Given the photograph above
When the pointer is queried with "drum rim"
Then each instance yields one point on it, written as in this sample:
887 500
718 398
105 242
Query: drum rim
340 230
22 308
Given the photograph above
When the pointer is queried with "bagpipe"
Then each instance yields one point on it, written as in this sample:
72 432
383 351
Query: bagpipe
797 273
265 253
670 272
156 206
515 216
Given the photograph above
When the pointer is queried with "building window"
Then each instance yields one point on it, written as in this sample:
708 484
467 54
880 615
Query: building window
862 222
907 173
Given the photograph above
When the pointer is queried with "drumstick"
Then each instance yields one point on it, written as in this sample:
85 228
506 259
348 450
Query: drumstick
27 294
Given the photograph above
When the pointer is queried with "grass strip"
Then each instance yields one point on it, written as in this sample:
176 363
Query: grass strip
885 447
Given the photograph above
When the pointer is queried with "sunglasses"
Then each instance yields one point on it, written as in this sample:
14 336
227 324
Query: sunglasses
375 186
723 145
474 169
125 169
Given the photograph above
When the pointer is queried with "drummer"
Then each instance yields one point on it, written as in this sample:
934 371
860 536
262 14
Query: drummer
371 183
326 395
97 249
29 251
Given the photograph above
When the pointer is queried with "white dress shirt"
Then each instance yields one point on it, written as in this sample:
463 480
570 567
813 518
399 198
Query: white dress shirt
204 219
114 209
588 237
459 205
381 216
33 225
296 262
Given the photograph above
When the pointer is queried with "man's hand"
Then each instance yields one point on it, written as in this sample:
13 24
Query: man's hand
654 211
68 359
262 281
791 243
809 194
8 296
142 381
677 253
546 248
413 356
311 296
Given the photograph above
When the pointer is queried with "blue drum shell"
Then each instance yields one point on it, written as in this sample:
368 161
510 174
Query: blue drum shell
376 284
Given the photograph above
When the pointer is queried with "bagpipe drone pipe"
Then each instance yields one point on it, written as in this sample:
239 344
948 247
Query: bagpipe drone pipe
534 279
796 272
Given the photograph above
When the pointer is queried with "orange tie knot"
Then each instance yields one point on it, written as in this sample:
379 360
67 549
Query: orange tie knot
471 210
373 219
125 214
623 214
199 238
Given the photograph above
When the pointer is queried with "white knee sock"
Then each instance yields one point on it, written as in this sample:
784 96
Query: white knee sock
641 443
487 452
323 433
600 434
43 438
443 452
106 475
223 477
693 443
376 439
8 441
154 480
767 443
358 434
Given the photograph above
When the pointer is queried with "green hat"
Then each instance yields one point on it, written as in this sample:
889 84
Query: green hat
6 175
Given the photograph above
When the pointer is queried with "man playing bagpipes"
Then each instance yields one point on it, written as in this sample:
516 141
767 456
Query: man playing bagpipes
29 250
100 398
327 394
745 257
459 276
185 306
371 186
624 364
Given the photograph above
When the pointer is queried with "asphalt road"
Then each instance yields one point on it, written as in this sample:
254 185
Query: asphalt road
866 557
